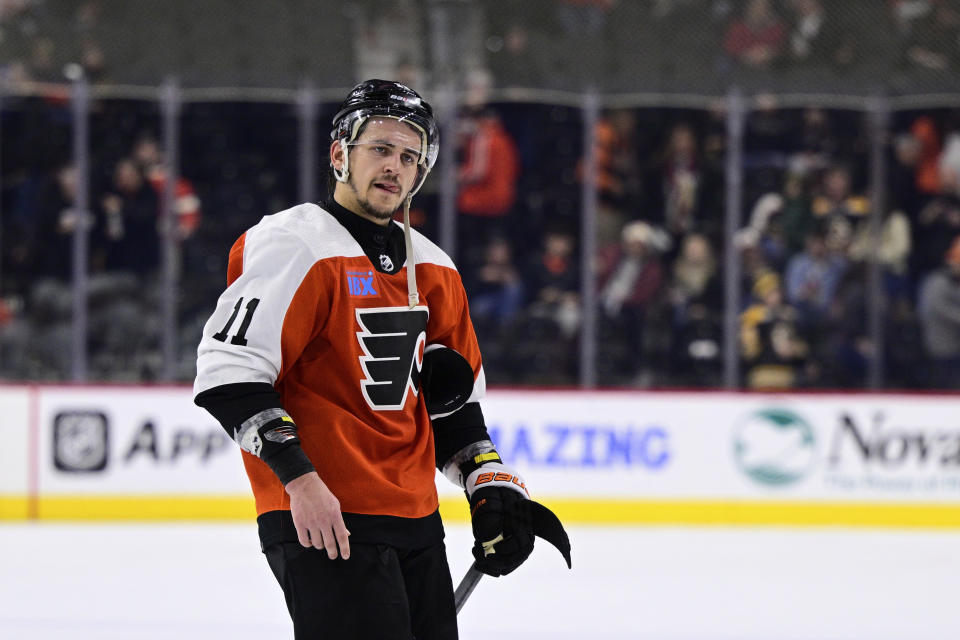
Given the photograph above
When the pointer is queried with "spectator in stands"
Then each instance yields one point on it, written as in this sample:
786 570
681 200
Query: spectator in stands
796 218
630 279
696 300
186 205
812 278
939 312
488 172
892 251
838 208
765 230
773 351
937 224
756 39
903 192
681 180
925 131
553 280
694 286
495 289
618 172
127 228
57 217
821 38
818 138
676 185
836 197
949 162
931 39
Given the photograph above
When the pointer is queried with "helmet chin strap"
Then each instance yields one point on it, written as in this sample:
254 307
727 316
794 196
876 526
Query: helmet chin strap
413 297
344 173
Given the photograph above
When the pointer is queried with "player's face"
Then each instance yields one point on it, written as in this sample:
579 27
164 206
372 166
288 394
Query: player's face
383 169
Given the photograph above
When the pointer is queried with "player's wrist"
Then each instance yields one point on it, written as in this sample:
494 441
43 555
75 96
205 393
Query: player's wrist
302 483
289 463
468 459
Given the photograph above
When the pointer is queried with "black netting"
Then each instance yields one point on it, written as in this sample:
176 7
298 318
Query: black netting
855 47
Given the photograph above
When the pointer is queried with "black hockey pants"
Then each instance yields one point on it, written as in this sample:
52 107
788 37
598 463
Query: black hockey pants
380 593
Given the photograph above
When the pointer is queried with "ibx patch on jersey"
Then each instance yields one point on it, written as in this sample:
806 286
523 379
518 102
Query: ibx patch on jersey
392 340
360 284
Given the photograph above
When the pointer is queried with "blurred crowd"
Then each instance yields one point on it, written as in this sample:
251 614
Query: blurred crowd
615 45
806 252
805 248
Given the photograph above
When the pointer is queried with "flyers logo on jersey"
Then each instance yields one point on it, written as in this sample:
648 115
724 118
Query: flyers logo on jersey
360 284
392 340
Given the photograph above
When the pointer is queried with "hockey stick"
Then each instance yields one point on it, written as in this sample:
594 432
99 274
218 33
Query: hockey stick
466 586
545 525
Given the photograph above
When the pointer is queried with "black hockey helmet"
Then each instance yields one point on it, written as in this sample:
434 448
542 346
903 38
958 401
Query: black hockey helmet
392 100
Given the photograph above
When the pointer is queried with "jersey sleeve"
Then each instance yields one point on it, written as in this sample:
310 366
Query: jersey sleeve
266 315
264 318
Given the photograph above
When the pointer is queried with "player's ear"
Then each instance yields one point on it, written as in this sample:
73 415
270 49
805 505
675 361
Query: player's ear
336 155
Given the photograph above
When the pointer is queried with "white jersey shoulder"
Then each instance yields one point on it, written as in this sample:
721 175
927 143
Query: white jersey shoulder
307 226
425 251
242 339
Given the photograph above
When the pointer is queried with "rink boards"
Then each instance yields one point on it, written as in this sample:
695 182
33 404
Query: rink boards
699 458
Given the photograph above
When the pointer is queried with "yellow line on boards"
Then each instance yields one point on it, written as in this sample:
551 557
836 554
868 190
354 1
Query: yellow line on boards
706 512
582 511
14 507
144 507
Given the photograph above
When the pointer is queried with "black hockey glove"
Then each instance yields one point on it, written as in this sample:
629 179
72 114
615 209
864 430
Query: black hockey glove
501 517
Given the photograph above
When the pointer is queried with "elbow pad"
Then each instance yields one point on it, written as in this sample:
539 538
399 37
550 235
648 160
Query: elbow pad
446 379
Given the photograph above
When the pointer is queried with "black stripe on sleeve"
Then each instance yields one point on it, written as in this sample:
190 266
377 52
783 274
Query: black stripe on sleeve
454 432
233 404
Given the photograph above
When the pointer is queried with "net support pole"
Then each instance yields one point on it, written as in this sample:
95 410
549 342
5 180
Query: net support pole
80 110
878 113
588 240
170 101
447 107
736 120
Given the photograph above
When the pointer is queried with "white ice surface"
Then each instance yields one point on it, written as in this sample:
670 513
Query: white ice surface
206 582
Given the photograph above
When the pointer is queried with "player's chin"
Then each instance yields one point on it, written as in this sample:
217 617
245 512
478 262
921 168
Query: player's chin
385 200
381 209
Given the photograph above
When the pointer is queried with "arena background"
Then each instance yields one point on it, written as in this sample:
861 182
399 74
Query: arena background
712 250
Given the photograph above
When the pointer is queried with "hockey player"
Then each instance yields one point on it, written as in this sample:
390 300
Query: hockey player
342 360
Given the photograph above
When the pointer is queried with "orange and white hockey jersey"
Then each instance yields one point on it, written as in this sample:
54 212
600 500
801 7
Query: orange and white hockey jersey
307 312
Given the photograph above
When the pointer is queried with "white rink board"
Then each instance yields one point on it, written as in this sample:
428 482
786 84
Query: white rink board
836 447
133 441
14 454
620 445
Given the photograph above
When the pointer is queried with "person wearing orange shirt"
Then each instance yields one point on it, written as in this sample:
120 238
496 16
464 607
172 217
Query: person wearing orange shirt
487 179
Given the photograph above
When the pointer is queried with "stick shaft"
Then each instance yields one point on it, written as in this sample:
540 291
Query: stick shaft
466 586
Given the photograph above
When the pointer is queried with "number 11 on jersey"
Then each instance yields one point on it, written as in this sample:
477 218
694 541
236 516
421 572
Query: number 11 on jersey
240 337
